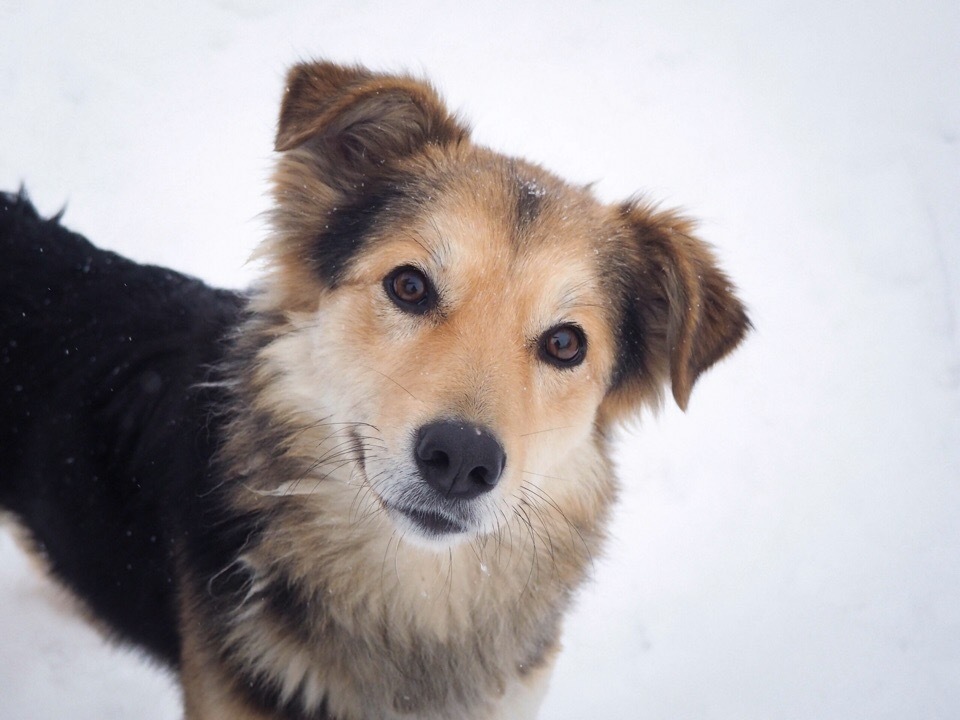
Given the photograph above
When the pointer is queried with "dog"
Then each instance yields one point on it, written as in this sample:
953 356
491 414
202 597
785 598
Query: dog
368 488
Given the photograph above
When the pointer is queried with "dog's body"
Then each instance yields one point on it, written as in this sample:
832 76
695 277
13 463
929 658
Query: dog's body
368 489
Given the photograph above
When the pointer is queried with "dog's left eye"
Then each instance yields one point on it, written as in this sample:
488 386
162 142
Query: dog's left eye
410 289
563 345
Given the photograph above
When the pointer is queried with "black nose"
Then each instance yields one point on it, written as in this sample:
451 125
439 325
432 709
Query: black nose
459 460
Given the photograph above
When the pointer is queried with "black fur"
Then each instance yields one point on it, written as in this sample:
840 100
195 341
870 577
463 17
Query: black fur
105 426
530 200
349 226
631 354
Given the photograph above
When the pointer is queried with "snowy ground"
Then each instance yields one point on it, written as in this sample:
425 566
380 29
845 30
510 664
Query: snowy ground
790 547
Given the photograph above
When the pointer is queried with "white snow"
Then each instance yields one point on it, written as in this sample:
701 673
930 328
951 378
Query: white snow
789 547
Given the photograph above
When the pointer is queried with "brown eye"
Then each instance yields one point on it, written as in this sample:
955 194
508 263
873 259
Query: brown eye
563 345
409 289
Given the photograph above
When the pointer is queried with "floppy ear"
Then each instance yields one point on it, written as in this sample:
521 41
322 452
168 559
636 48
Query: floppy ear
357 120
680 312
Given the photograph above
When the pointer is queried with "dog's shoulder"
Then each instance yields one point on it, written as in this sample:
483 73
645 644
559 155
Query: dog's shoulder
104 418
85 325
62 277
86 332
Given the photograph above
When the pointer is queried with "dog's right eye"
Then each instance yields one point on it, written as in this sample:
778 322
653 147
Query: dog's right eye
410 290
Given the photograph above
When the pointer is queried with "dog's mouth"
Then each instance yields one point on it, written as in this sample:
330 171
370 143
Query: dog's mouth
432 523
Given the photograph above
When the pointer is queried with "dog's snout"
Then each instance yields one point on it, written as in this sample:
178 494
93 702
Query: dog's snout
458 459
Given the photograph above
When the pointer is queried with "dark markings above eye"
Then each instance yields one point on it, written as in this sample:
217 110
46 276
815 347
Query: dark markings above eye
410 289
563 345
530 198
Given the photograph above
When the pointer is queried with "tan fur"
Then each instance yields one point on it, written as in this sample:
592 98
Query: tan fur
414 628
207 694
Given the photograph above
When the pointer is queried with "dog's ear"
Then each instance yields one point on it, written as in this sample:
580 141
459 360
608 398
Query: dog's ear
359 120
680 313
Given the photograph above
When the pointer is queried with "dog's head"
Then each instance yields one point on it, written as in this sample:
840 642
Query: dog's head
458 329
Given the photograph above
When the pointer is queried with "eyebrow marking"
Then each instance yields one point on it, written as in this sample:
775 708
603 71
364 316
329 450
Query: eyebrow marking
530 198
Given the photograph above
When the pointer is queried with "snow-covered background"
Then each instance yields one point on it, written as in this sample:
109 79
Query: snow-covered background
790 547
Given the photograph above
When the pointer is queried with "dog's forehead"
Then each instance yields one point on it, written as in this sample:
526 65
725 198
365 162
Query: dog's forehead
498 210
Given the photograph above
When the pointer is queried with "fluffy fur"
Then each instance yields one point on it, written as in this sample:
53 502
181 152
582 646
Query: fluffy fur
250 486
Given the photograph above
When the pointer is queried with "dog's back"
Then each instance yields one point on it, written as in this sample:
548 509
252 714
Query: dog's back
100 423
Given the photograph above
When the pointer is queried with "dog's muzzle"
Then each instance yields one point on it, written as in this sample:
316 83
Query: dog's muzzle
457 464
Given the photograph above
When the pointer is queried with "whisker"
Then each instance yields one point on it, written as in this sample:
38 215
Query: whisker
543 525
553 429
549 538
383 374
449 581
548 477
545 497
522 517
337 455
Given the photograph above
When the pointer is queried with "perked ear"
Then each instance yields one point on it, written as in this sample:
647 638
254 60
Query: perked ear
686 307
360 120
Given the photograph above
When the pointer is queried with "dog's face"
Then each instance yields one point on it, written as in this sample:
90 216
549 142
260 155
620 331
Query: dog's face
472 339
462 328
